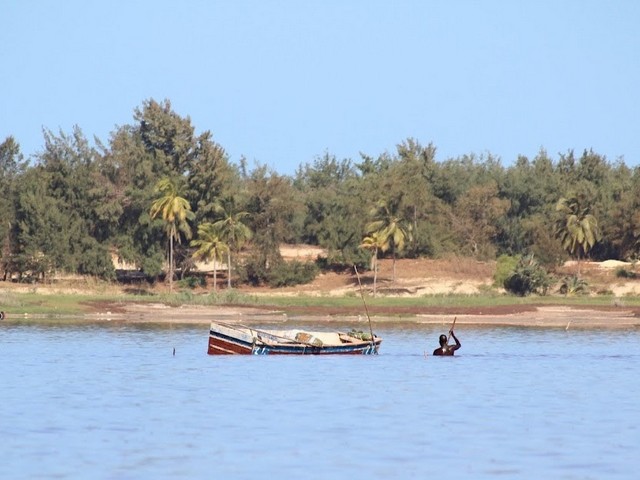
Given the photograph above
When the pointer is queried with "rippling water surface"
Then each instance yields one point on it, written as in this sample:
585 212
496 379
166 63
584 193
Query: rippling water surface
112 401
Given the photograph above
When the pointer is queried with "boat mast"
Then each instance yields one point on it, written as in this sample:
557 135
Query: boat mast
373 343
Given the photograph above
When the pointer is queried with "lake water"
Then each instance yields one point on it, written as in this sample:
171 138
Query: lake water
111 401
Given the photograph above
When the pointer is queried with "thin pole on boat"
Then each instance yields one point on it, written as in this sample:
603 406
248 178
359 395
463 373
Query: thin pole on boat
373 345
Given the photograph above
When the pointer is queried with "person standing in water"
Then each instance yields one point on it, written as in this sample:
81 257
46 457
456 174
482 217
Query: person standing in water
445 349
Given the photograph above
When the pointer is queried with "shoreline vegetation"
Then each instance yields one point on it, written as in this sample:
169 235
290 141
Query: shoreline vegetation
426 292
531 315
158 202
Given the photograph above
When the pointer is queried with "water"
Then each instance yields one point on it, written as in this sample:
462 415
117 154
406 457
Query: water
111 401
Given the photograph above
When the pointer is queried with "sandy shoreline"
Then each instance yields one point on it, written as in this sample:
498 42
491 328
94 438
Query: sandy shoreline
530 316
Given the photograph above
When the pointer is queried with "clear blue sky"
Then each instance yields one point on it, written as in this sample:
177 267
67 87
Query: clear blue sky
283 82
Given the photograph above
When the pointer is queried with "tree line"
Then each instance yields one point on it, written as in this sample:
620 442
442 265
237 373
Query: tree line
160 196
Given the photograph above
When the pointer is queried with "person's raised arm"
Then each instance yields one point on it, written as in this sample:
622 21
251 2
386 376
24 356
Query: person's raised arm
458 344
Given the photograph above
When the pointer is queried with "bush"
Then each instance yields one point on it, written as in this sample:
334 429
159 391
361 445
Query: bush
527 278
572 285
97 262
278 274
624 273
192 282
287 274
339 263
505 266
253 271
153 265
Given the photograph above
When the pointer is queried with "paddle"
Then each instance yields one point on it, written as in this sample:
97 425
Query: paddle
451 329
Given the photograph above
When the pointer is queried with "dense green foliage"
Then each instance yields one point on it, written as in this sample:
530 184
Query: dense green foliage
505 266
286 274
573 285
527 278
74 207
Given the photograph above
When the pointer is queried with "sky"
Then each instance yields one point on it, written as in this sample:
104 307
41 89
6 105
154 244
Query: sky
283 83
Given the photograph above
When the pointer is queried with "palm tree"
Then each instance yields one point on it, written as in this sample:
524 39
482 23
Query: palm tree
209 247
375 242
232 232
576 228
175 212
390 227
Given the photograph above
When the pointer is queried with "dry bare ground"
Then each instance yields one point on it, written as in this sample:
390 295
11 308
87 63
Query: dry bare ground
413 277
418 277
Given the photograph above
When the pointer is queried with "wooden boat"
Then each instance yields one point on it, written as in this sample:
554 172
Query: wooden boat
225 339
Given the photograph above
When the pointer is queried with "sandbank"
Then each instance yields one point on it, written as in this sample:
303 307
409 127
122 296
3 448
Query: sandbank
556 316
